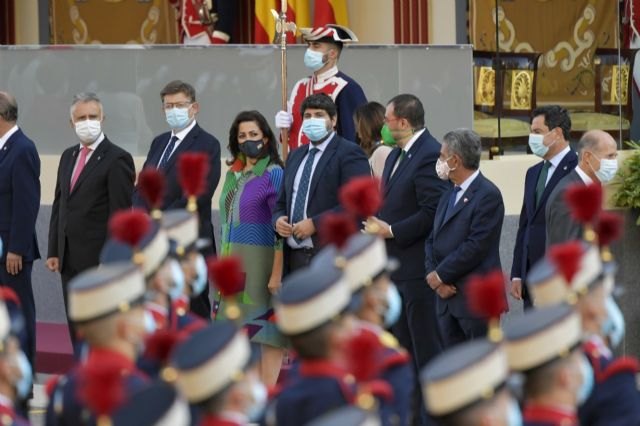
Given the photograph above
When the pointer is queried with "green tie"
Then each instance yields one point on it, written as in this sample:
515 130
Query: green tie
542 181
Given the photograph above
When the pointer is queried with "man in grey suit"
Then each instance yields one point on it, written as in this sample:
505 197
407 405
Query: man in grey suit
598 163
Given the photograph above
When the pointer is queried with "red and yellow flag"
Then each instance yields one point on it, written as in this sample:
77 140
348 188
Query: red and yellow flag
330 12
265 26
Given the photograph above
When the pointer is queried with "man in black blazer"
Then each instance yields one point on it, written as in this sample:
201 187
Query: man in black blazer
312 179
466 235
550 127
19 205
411 193
598 163
180 109
95 179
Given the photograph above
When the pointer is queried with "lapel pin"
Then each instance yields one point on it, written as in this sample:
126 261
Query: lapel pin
465 200
564 168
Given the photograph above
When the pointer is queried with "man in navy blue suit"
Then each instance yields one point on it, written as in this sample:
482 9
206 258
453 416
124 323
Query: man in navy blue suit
549 140
411 194
19 205
466 235
180 108
312 179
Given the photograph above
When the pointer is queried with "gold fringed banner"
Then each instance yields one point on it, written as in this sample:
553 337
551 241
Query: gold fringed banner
566 32
113 22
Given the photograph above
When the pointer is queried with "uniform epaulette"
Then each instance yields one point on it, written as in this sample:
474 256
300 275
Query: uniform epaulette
620 365
389 340
378 388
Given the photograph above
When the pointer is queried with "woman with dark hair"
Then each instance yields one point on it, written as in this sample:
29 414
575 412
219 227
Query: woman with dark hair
369 121
248 196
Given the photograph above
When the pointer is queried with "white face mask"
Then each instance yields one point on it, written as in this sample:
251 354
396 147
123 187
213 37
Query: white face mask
607 171
443 169
88 130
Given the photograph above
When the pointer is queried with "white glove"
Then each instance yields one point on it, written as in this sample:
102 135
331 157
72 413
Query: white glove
283 120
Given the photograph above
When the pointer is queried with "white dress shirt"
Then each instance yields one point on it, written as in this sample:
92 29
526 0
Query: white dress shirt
407 147
555 161
180 135
6 136
585 177
465 185
92 148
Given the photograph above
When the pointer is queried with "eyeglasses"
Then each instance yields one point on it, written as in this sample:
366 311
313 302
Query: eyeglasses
177 105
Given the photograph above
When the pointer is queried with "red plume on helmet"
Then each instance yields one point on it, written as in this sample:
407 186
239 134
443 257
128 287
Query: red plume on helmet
193 169
486 298
361 196
226 274
362 355
129 226
151 184
566 257
585 201
158 346
336 228
101 387
608 228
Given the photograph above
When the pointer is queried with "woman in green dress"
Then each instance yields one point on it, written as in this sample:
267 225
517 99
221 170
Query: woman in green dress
248 196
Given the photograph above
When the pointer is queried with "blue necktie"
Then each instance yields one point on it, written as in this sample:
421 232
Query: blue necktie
167 152
452 202
303 188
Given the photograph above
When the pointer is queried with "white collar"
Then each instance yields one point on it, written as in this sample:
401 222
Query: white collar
555 161
181 134
6 136
413 140
585 177
326 75
467 182
95 144
321 147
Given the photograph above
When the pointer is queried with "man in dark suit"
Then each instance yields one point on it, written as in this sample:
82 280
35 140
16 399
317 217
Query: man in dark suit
180 108
19 205
411 193
549 140
598 163
95 178
312 179
466 235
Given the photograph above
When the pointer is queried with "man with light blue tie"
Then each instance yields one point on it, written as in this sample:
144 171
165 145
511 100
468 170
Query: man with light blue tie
465 240
312 179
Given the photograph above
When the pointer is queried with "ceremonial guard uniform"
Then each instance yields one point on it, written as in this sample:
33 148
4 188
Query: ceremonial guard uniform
108 293
193 31
157 405
309 307
343 90
209 366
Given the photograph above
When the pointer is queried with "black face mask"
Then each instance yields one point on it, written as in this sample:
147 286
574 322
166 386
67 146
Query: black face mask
252 149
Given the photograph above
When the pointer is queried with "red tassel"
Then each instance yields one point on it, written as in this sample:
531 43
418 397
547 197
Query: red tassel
608 228
486 295
193 168
51 384
9 296
362 354
361 196
226 274
129 226
336 228
567 258
151 183
159 345
585 201
100 386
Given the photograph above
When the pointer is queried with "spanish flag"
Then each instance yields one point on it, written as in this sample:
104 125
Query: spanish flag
265 26
330 12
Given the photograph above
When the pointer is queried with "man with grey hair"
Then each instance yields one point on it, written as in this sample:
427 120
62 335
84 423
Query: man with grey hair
95 178
597 163
465 240
19 205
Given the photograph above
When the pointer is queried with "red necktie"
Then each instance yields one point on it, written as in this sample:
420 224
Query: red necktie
84 152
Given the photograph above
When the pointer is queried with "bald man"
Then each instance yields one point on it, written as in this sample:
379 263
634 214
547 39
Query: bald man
597 163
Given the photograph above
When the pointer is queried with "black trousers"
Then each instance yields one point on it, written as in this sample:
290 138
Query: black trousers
417 331
456 330
300 258
68 273
21 285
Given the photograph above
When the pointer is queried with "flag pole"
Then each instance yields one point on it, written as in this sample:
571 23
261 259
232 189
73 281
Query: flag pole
282 27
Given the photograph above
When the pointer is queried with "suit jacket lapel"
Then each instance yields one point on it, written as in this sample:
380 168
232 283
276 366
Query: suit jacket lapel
91 164
67 171
531 190
561 171
322 163
388 167
405 163
292 166
464 200
183 146
9 144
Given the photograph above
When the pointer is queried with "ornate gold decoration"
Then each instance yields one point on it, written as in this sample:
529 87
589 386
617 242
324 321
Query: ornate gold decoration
583 38
619 84
521 89
486 87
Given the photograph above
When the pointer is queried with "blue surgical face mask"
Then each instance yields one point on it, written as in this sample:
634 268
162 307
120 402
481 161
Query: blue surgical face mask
259 397
177 118
200 281
608 169
177 280
394 308
613 327
315 128
313 59
149 323
23 385
536 143
587 380
514 416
